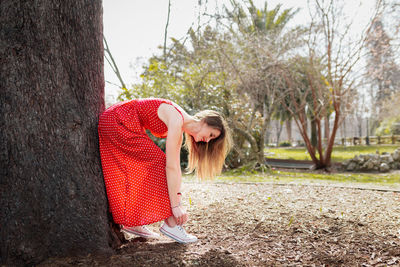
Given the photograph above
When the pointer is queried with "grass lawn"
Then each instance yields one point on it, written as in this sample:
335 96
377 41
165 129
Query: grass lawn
387 180
339 154
296 176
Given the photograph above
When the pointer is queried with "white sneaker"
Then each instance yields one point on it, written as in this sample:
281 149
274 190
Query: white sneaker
142 231
177 233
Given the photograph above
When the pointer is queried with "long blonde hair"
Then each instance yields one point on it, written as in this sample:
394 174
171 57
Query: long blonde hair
208 158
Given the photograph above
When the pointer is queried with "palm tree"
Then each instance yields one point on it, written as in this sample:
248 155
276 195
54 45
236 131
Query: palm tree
261 45
260 21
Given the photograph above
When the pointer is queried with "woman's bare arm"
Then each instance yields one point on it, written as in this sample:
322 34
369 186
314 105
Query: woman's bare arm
171 117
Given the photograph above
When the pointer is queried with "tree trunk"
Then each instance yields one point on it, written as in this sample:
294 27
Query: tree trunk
313 133
289 129
343 130
279 127
360 122
267 138
306 126
331 142
261 141
326 129
52 195
248 137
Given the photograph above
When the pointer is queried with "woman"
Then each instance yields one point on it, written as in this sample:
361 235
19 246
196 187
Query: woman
142 182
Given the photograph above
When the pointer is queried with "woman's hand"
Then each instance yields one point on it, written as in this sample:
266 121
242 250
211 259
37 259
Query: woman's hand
181 217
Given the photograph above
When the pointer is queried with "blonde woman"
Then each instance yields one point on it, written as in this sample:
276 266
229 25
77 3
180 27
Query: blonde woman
143 183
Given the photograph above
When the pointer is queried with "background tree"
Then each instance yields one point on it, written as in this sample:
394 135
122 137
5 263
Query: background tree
307 99
191 77
390 19
333 53
235 70
262 43
52 195
382 71
390 122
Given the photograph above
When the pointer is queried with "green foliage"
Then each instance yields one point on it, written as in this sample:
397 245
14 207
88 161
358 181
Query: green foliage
194 79
251 19
339 154
223 71
389 126
304 177
285 144
157 81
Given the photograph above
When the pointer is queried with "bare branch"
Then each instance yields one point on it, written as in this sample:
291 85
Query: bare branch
166 29
113 64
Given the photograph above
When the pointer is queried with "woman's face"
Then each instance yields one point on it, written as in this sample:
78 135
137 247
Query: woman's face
206 133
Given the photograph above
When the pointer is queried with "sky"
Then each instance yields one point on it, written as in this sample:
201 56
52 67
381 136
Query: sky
135 28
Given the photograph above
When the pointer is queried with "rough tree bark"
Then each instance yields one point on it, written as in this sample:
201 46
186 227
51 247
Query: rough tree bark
52 196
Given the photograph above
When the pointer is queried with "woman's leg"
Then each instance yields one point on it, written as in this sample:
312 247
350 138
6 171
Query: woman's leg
170 221
147 198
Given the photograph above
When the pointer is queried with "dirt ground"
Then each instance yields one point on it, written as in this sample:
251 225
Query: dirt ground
272 225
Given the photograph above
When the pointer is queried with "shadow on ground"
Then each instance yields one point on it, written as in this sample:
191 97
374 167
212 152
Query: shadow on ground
272 225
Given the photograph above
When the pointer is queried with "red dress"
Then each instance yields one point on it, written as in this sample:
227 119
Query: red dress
133 165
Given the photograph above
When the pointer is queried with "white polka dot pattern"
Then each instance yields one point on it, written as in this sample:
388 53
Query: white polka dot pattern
133 165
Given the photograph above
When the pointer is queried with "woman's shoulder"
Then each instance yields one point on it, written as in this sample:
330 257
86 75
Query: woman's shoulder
172 109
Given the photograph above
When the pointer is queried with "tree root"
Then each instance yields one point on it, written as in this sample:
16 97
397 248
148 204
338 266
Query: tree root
117 237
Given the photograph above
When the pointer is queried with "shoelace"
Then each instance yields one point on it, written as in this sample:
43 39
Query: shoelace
180 228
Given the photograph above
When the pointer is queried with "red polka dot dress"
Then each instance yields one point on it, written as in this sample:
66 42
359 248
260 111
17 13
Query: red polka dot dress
133 165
